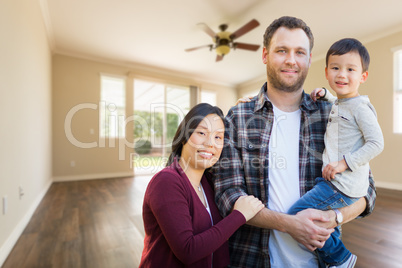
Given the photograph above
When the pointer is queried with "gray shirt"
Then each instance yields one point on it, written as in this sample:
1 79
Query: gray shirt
353 134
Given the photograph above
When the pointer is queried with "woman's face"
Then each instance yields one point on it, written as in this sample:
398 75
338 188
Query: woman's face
204 147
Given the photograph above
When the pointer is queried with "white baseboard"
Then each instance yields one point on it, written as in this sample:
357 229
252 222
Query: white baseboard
12 239
389 185
93 176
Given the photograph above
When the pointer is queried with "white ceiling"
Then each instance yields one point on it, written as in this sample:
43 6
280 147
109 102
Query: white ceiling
154 33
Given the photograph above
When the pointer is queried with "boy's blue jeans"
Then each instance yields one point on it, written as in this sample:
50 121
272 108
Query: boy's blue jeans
324 196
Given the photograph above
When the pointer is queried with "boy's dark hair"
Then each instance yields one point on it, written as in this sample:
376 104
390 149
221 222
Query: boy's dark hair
347 45
290 23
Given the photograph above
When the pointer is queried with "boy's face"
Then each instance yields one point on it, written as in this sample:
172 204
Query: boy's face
345 74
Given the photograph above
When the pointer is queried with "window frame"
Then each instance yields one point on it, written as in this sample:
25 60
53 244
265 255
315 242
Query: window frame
120 117
397 90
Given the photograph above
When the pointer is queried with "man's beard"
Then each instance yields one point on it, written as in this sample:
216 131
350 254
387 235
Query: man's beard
275 80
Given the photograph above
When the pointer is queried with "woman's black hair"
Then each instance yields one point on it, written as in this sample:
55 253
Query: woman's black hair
188 125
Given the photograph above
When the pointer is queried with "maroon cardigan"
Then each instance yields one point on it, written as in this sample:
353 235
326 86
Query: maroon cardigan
178 230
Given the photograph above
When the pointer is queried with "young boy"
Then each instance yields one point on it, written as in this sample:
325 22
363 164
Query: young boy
353 137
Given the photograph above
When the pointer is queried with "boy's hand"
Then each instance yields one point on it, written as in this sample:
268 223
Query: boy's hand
331 169
244 100
317 92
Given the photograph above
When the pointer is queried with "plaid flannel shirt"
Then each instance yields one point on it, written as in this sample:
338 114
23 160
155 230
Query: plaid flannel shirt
243 167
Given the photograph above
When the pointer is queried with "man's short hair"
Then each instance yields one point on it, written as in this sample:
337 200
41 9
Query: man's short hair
347 45
290 23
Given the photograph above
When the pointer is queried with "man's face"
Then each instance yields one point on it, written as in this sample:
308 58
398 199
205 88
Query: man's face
287 59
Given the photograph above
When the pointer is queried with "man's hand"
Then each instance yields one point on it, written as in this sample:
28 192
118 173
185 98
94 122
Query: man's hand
305 229
331 169
327 214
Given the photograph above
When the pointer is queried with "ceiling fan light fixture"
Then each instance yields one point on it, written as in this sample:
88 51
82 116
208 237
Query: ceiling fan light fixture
223 41
222 50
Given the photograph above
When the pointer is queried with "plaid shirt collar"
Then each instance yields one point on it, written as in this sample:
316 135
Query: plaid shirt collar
307 104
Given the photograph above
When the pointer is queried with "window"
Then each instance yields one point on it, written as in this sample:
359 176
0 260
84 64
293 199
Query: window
398 70
112 107
398 91
208 97
158 110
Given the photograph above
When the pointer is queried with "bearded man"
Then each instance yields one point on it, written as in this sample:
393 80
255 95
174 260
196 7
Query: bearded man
273 148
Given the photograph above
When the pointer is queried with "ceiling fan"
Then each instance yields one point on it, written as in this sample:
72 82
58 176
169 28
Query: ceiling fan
223 40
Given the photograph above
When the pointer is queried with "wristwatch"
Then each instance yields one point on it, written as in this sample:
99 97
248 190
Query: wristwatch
339 217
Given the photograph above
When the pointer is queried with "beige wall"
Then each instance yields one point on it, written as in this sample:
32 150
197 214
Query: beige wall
25 108
76 82
76 85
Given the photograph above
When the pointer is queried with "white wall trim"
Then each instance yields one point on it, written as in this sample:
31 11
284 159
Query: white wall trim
12 239
389 185
114 75
382 34
367 40
93 176
145 70
44 6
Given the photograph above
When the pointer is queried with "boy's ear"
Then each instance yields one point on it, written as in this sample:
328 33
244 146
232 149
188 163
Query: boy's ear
364 77
326 73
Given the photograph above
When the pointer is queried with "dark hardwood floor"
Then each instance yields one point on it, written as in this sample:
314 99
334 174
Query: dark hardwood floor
377 239
94 223
98 223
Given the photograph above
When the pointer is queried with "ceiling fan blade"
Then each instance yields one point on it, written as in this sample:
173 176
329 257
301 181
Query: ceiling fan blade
245 29
219 58
246 46
206 29
195 48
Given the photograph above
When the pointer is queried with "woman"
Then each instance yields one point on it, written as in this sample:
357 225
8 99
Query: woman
183 227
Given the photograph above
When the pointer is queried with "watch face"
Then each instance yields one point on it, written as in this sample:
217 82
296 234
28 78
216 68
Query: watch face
339 217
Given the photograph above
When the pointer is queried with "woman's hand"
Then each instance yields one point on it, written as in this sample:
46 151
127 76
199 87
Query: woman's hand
248 205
